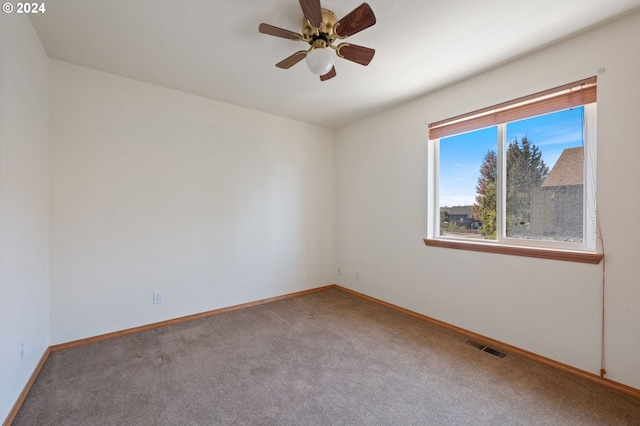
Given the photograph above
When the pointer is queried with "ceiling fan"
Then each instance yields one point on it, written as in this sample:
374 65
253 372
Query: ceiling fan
320 29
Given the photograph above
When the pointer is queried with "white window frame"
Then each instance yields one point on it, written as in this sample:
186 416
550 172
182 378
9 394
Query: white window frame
588 251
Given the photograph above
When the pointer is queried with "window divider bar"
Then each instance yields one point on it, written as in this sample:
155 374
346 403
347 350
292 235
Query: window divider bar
501 184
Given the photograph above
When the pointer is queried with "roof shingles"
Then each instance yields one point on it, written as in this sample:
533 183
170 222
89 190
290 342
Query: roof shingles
568 170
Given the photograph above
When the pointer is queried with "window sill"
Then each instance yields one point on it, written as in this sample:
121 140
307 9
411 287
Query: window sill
570 256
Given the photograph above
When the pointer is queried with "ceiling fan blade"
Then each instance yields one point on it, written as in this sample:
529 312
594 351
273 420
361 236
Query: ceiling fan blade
357 20
328 75
312 12
292 60
358 54
278 32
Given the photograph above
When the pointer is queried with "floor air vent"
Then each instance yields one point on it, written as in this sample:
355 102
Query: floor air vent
486 349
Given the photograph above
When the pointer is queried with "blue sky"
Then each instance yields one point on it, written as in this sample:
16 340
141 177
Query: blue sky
461 155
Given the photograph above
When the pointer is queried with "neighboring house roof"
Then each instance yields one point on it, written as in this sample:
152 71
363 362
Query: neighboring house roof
466 210
568 170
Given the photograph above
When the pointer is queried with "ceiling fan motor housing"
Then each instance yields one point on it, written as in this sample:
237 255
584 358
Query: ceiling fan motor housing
323 36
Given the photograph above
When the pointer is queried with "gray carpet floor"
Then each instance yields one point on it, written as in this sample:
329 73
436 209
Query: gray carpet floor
327 358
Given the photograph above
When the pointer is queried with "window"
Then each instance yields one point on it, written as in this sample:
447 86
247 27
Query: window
519 177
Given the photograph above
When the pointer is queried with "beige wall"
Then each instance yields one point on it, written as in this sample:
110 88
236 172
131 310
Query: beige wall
153 189
24 210
551 308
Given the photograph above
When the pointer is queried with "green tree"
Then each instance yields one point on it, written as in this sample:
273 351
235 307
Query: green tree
485 207
444 216
525 171
487 213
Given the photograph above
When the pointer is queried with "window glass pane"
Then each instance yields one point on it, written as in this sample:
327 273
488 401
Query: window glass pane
545 177
467 184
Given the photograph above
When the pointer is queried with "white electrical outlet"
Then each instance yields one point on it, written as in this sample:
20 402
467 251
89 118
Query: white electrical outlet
339 270
357 274
21 350
158 297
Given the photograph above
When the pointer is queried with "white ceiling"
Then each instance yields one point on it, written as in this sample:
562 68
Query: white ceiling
212 48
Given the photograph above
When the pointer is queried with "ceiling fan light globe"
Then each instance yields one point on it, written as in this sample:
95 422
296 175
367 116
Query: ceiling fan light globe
320 61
